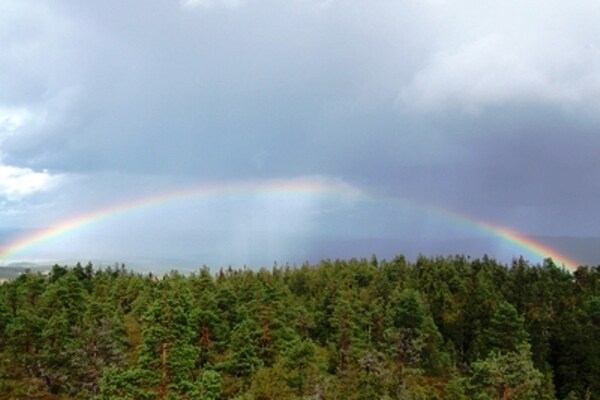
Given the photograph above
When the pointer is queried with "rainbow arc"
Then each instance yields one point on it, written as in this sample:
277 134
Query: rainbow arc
290 187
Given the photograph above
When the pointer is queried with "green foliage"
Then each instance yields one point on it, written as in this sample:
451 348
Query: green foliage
506 332
127 384
440 328
210 385
244 361
506 375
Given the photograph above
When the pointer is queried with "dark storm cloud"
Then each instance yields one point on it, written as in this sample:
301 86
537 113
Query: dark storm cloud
265 84
484 108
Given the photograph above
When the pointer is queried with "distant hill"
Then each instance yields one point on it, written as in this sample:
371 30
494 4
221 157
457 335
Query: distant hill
12 271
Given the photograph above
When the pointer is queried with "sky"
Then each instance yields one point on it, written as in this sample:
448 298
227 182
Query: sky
297 129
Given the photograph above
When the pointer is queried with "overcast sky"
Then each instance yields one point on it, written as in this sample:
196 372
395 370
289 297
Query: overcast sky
486 109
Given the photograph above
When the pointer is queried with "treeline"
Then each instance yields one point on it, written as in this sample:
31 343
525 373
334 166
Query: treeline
437 328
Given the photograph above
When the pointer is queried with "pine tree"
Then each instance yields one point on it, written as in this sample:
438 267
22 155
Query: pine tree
168 349
506 376
414 338
506 331
210 385
64 303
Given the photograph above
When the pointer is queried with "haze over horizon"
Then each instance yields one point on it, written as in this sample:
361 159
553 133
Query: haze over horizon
436 112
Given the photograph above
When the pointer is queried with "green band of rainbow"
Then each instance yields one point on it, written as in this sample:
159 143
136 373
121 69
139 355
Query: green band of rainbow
299 186
524 242
505 234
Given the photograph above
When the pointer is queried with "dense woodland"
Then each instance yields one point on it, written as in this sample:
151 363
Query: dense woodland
437 328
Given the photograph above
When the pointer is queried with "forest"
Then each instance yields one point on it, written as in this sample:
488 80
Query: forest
445 328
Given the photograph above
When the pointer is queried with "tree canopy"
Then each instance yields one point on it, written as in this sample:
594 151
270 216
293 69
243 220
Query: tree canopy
446 328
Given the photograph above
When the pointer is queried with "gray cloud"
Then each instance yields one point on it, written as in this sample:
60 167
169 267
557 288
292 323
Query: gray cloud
493 54
488 109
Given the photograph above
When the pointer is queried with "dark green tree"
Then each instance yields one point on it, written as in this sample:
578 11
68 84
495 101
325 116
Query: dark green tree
506 331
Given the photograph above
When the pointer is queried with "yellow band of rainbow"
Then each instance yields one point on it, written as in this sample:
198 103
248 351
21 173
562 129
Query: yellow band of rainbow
297 186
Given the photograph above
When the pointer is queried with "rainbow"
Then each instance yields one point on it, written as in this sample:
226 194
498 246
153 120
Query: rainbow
519 239
298 187
504 234
532 245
